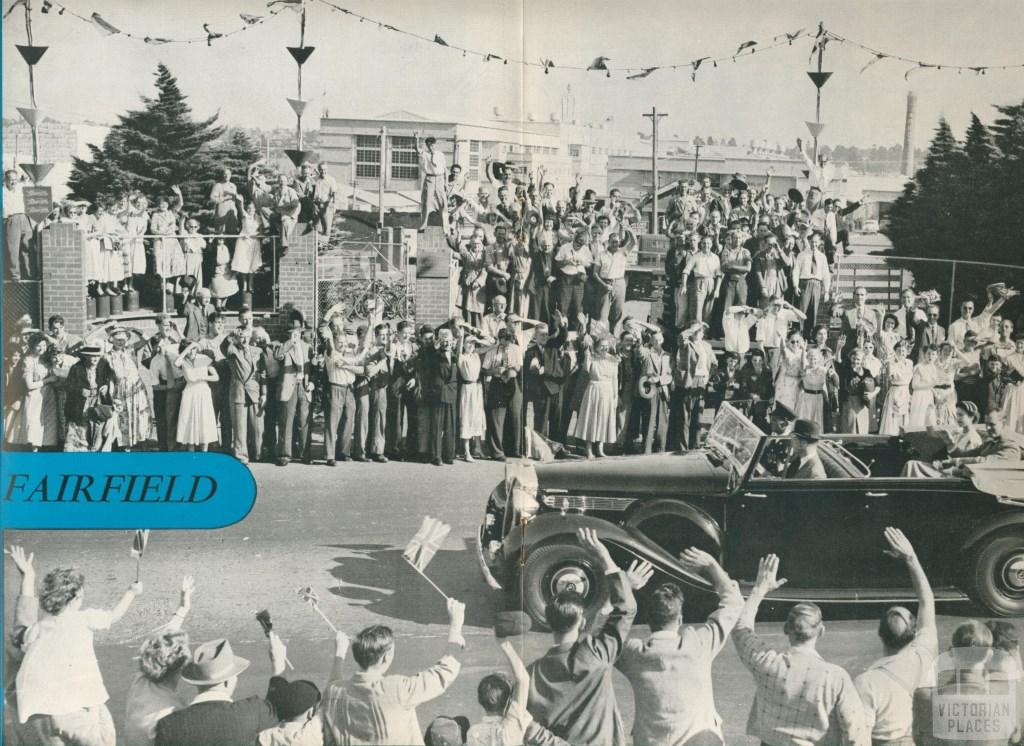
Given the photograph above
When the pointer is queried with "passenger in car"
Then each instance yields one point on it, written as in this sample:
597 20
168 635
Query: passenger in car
996 447
806 463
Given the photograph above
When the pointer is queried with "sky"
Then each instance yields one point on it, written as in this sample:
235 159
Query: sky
359 69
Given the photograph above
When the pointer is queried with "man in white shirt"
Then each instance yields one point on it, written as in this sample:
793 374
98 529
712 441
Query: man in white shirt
887 687
325 193
572 260
609 272
18 249
435 173
812 280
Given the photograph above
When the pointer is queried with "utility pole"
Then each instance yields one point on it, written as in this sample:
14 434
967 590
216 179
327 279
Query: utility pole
696 159
380 182
655 118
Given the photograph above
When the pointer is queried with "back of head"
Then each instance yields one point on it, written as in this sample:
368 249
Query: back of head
564 611
493 693
665 607
60 587
897 628
972 643
447 731
371 644
804 623
162 656
1004 635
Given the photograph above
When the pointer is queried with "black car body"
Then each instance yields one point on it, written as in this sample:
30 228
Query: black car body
729 499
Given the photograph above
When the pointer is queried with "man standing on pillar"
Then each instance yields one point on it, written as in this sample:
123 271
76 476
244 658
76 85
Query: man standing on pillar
19 254
325 193
435 175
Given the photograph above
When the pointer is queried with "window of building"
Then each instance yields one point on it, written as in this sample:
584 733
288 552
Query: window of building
473 171
574 151
404 158
368 156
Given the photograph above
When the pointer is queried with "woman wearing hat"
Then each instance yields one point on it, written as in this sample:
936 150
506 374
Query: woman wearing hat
197 422
131 402
88 408
471 393
36 421
856 393
596 423
898 373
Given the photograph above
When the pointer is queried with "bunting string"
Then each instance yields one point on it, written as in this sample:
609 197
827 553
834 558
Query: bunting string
105 27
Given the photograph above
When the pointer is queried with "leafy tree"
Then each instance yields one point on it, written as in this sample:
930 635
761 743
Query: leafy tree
236 152
732 142
150 149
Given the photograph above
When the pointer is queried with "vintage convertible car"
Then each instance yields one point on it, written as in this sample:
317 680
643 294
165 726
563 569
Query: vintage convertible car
730 499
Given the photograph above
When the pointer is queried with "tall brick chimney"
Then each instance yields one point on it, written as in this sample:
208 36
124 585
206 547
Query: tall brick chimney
907 167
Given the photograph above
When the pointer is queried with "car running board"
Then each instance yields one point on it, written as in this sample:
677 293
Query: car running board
833 595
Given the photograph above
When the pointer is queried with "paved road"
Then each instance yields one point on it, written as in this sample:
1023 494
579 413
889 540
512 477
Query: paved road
342 530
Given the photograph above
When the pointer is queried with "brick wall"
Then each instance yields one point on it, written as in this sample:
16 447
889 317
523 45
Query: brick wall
436 283
296 287
63 285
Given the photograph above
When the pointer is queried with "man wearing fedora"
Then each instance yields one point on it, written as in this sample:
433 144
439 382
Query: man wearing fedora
246 394
212 717
805 462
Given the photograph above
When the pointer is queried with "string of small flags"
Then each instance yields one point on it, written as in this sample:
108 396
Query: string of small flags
878 55
600 63
106 28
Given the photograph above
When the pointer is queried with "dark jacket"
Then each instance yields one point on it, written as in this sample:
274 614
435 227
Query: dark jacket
440 377
217 723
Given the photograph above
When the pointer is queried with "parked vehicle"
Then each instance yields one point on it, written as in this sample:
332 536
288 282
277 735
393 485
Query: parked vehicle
730 498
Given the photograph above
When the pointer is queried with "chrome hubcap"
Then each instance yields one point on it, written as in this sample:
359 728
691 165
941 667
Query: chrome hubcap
1013 573
570 578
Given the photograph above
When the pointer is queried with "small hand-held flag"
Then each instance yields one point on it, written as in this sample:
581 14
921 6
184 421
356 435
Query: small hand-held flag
139 543
307 594
424 545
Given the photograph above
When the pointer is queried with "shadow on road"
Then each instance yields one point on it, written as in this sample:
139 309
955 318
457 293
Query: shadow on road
376 577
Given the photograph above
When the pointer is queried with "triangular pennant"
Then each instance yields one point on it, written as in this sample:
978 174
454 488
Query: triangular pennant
298 157
32 116
30 54
819 79
36 171
815 128
298 105
301 54
806 172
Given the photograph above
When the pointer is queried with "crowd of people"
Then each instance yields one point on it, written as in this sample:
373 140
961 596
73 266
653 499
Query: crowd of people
219 247
180 694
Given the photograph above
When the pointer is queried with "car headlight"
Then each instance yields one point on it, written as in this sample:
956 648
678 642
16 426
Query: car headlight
521 486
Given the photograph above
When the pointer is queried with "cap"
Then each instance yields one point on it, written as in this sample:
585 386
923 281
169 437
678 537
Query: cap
292 698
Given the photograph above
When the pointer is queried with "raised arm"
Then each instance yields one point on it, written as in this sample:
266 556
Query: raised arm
755 654
341 644
122 606
901 548
607 644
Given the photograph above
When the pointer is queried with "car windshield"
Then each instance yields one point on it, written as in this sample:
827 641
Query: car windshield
734 437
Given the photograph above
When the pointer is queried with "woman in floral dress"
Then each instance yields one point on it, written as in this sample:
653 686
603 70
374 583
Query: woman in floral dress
131 401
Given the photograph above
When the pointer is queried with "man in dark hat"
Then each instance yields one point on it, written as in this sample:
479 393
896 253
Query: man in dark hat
213 718
805 462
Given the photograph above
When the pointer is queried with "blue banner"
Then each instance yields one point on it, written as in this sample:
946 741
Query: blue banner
123 490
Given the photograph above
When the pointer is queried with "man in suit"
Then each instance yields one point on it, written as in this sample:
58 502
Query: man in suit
928 335
503 397
547 366
440 386
247 394
212 717
295 393
862 318
806 463
197 316
692 372
909 318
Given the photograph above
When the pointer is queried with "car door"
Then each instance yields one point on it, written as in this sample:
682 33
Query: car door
827 533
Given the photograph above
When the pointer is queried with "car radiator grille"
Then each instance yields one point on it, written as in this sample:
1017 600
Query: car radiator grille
584 503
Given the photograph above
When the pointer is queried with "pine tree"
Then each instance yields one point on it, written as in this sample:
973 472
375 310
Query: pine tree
150 149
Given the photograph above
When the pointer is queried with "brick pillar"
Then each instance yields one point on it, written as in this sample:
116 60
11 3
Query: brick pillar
435 281
295 273
64 284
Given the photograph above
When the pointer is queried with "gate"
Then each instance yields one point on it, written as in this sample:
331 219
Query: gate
363 275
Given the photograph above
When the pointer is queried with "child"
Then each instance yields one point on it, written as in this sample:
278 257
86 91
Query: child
471 395
493 693
888 337
60 675
247 260
726 383
223 285
193 245
296 704
197 422
813 395
757 387
898 374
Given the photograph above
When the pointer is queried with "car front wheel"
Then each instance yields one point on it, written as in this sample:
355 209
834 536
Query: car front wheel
998 579
554 568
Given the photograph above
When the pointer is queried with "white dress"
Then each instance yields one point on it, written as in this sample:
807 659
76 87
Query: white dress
922 398
896 409
471 397
596 421
787 382
945 394
197 423
246 258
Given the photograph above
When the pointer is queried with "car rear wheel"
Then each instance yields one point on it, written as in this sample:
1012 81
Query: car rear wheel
998 574
557 567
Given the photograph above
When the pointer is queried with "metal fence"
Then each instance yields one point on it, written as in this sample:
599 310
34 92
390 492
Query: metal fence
21 298
365 275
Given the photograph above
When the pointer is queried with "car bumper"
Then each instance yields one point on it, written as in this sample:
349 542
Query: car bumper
481 559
